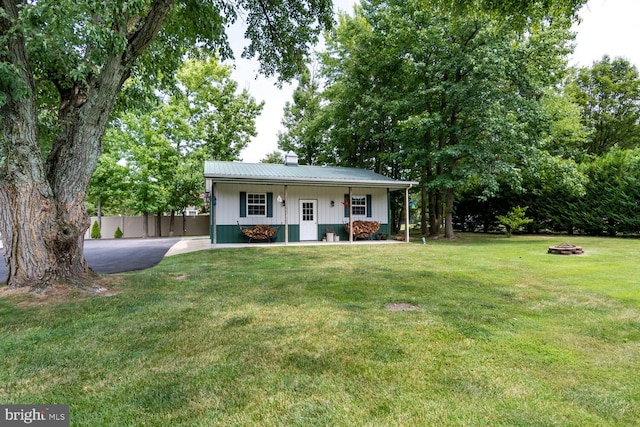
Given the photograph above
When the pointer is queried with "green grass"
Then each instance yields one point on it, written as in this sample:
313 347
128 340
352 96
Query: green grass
504 334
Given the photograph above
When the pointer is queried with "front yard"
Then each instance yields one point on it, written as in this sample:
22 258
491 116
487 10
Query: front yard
495 332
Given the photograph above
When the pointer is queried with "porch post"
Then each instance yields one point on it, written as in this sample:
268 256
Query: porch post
406 218
212 210
350 215
286 214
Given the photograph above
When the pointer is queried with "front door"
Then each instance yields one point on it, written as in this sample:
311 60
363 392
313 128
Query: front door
308 220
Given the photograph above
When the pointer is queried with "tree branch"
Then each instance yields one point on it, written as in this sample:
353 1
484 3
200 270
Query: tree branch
273 32
140 39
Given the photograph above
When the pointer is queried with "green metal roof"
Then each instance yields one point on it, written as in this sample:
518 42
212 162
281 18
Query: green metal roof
294 174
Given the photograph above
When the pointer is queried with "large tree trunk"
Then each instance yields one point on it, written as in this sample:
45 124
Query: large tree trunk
172 223
41 244
435 213
423 210
184 223
158 224
145 225
42 206
42 213
448 214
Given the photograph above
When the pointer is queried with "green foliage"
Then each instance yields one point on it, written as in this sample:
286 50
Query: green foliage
95 231
274 157
608 94
79 54
514 219
281 35
164 148
111 183
118 233
610 205
12 87
208 112
304 134
563 133
419 91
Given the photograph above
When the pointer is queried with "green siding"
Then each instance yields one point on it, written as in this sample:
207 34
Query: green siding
339 230
232 234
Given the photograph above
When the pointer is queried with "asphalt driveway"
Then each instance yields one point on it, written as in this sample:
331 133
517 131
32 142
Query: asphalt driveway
118 255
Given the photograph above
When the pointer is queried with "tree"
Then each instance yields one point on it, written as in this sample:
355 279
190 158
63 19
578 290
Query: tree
273 157
80 53
608 94
610 203
165 147
151 160
109 185
216 120
95 231
514 219
301 119
414 86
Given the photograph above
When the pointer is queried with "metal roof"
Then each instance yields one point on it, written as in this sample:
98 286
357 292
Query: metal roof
294 174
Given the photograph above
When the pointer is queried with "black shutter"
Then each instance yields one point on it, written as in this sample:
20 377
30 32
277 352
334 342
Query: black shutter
269 205
369 207
347 204
243 204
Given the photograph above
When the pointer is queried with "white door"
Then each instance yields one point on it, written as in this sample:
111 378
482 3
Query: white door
308 220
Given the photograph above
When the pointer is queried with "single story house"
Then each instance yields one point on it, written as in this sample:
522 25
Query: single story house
302 202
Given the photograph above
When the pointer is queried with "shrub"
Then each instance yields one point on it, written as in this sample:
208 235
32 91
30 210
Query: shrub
514 219
95 231
118 233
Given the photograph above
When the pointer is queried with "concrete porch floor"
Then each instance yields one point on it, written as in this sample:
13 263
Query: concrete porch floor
204 243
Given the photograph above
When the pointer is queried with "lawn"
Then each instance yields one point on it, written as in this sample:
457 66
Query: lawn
500 333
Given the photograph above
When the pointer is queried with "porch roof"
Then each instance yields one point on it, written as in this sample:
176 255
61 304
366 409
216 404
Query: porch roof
282 174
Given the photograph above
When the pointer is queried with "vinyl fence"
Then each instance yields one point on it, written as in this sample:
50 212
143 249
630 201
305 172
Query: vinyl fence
133 226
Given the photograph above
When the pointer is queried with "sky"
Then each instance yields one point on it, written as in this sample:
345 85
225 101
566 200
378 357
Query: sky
607 27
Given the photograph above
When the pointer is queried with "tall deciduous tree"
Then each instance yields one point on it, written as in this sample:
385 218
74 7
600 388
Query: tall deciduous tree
608 93
454 96
302 120
204 116
365 98
86 50
275 156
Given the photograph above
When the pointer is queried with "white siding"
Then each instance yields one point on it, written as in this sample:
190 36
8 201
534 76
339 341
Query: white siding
228 203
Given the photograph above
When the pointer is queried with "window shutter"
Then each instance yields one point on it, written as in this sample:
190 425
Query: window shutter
243 204
347 205
369 207
269 205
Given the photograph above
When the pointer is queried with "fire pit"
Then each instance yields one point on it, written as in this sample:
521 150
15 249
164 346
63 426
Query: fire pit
565 249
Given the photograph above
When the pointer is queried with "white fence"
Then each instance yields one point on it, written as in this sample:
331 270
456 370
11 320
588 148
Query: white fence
133 226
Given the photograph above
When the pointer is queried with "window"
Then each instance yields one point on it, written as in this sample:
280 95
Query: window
256 204
359 205
307 211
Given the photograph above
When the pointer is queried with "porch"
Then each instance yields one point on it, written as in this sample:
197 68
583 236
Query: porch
204 243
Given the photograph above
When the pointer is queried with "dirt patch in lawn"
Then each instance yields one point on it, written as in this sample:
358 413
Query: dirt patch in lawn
401 306
103 286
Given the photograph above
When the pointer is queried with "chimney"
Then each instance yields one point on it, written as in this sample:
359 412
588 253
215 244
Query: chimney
291 159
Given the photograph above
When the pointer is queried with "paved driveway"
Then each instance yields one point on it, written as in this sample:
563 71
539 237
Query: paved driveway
118 255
